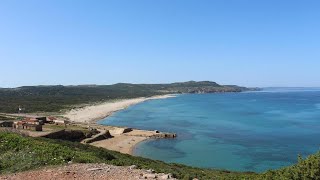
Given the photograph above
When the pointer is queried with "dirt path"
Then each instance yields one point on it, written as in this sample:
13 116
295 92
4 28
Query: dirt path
87 171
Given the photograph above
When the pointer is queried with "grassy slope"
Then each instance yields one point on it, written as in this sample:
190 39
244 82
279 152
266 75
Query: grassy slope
23 153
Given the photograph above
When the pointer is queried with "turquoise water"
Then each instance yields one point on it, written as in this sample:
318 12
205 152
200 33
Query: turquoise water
252 131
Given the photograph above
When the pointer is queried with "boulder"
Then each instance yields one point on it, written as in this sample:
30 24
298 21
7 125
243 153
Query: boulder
119 131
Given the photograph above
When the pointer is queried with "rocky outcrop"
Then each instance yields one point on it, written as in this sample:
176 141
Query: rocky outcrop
165 135
119 131
105 134
70 135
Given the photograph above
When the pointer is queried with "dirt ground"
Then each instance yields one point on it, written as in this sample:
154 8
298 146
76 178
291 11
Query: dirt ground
86 172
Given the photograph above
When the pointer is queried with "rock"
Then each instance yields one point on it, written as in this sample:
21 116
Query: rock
119 131
164 177
150 176
94 169
132 167
91 171
165 135
150 171
101 136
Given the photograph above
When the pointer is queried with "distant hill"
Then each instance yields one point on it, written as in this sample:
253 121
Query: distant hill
56 98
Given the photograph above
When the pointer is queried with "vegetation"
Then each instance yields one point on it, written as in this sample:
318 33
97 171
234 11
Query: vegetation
56 98
7 118
304 169
20 153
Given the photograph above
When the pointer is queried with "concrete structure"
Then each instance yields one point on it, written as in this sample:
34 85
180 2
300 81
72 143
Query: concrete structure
42 120
51 119
29 124
33 127
59 121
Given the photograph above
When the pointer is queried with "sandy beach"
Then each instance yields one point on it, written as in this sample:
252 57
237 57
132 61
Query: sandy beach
93 113
121 142
126 142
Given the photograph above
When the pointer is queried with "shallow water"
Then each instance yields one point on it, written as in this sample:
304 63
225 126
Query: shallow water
252 131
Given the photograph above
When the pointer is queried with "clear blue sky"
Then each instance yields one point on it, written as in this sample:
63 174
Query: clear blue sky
244 42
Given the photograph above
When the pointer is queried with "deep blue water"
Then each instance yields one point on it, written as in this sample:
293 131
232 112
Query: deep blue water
252 131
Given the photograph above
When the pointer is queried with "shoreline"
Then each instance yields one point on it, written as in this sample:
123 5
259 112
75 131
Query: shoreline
128 141
121 142
92 113
131 150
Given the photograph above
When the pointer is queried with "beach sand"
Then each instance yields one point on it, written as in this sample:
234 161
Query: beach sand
92 113
120 143
123 142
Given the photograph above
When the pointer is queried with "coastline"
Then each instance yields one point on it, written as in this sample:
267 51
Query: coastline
121 142
93 113
126 142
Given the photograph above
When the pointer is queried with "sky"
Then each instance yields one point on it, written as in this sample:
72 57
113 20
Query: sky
245 42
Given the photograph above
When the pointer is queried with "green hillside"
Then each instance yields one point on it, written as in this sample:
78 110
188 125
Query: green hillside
20 153
56 98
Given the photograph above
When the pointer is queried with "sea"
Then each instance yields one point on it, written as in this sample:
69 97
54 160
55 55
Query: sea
249 131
